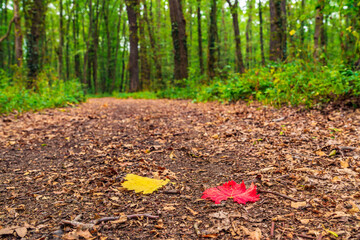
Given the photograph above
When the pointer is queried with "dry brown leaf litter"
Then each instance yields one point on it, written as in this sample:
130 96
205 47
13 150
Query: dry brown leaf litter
68 164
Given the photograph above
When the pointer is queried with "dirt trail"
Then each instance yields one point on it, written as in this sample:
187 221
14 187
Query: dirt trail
58 164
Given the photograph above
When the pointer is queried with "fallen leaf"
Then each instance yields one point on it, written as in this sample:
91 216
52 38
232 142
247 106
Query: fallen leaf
320 153
304 221
332 153
231 189
344 164
143 184
169 208
298 205
121 219
354 209
194 213
256 235
21 232
6 231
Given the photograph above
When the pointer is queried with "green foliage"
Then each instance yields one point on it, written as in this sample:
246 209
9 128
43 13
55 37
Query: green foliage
49 93
136 95
295 83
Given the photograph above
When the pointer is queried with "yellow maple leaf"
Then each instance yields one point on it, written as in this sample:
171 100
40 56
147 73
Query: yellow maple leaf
292 32
143 184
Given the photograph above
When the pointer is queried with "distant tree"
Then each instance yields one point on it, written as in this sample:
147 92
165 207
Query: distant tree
212 39
319 25
235 19
132 7
200 48
277 30
35 12
261 34
18 34
178 32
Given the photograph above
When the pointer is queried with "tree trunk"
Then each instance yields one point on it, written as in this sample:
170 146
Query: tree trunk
123 63
117 46
212 46
109 61
277 33
235 17
154 47
318 26
225 33
75 38
18 34
8 42
302 25
61 41
200 49
132 7
178 32
67 46
35 22
1 24
143 54
357 61
249 35
261 35
284 29
95 39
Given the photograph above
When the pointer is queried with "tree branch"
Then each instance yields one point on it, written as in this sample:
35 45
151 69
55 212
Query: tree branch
8 31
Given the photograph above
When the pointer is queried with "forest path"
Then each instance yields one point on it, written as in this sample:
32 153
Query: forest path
59 163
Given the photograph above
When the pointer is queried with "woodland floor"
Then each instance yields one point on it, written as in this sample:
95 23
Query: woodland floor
58 164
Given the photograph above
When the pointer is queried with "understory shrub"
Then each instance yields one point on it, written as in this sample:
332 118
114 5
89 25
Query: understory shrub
48 93
295 83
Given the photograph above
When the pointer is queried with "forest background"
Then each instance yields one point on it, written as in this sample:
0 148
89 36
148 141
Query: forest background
292 52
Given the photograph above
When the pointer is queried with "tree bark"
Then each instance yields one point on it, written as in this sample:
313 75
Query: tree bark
178 32
18 34
67 45
277 33
200 48
235 17
284 29
153 45
95 39
302 25
212 46
132 7
357 61
117 46
7 34
143 54
249 35
75 38
109 62
35 23
261 35
61 41
318 26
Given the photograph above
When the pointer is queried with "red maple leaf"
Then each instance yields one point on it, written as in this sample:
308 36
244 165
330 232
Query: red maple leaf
231 189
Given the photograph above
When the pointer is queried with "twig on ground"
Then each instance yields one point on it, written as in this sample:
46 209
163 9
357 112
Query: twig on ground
279 194
76 223
305 236
196 227
142 215
347 148
272 229
319 237
171 192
